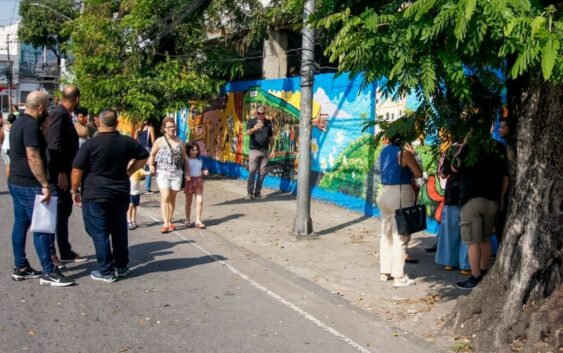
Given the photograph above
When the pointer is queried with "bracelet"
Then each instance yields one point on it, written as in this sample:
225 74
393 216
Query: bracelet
45 187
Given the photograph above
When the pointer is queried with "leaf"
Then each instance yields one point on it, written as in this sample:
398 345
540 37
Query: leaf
469 8
549 54
537 23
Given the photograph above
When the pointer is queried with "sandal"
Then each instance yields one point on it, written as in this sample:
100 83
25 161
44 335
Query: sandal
164 229
172 228
189 224
199 226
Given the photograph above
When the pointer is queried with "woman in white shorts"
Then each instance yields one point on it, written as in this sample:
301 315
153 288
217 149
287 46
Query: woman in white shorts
169 162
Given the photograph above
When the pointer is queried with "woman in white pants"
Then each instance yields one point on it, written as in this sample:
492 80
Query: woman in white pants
398 167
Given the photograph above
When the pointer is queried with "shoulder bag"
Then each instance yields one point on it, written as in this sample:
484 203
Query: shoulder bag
409 219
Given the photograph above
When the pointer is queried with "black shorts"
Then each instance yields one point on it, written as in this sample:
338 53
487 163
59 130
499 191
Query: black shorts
135 199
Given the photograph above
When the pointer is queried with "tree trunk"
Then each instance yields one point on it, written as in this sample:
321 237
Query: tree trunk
519 306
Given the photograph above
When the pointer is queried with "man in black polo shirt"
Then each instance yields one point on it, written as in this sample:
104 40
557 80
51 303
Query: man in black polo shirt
101 163
261 140
62 142
28 178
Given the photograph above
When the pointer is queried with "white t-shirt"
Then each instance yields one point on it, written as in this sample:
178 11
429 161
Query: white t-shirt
195 167
6 143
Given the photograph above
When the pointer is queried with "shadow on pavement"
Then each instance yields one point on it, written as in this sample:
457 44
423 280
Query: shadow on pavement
275 196
168 265
217 221
343 225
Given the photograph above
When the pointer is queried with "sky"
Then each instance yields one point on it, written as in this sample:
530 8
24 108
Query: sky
7 8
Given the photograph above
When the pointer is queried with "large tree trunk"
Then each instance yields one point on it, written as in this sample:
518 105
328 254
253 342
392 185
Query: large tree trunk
519 305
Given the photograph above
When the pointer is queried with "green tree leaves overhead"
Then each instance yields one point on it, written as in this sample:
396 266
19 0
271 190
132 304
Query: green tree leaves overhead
448 52
42 22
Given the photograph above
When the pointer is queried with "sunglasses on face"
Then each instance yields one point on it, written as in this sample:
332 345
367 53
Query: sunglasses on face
260 113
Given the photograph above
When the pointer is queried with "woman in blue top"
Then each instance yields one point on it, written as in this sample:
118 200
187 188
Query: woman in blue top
398 167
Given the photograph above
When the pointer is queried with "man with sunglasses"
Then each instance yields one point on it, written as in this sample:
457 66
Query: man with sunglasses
261 141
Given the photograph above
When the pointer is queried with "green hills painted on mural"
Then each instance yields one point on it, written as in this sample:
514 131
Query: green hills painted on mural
349 173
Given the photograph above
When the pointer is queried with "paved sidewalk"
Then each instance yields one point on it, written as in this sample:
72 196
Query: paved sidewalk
344 260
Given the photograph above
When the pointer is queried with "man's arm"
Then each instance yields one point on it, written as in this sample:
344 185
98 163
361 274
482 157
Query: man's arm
36 165
55 145
38 170
251 128
75 181
136 165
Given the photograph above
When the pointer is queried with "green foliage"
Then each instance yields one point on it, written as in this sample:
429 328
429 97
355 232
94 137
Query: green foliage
149 57
44 24
452 53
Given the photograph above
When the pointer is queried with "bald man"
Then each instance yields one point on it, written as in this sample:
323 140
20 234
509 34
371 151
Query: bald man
62 141
28 178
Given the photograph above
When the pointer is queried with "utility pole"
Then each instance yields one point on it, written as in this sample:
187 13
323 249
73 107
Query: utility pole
9 73
302 226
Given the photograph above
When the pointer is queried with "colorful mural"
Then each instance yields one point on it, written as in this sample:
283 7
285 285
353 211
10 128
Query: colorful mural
344 155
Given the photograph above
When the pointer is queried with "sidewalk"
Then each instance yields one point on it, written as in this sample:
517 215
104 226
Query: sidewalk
344 259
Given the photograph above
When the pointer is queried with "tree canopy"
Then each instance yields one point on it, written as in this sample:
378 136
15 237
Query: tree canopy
453 54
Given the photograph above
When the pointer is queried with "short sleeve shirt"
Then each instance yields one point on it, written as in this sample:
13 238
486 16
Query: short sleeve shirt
104 161
261 138
25 132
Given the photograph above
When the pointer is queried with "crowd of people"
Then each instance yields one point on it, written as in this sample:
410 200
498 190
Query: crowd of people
92 166
477 181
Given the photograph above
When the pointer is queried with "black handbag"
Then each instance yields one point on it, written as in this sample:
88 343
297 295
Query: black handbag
409 219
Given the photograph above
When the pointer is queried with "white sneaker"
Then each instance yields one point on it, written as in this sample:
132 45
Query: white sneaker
404 281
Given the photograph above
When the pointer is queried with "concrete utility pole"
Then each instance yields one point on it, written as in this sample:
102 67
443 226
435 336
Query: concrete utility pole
9 73
302 226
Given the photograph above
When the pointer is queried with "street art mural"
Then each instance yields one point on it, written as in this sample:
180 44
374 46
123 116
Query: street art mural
344 155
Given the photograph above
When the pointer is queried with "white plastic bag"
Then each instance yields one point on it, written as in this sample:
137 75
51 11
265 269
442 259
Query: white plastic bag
44 218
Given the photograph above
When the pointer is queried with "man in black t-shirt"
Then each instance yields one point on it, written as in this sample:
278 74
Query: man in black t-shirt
28 178
101 167
62 143
481 192
261 141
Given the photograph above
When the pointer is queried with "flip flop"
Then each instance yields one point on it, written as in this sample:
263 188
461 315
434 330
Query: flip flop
200 226
172 228
189 224
164 230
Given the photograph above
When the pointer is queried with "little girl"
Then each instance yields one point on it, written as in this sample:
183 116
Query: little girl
194 185
135 197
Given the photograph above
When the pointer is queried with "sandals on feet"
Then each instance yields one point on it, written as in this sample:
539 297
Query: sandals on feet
172 228
164 229
199 226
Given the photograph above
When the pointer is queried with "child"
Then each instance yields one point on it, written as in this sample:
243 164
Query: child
135 197
194 185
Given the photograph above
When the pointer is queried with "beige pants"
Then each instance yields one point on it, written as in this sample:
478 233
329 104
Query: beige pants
393 246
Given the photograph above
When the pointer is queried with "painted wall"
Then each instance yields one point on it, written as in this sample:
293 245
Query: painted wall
344 160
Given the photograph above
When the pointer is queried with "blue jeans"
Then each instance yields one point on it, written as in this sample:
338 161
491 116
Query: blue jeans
148 182
23 199
101 220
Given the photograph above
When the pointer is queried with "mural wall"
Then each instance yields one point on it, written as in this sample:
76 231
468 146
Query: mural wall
344 155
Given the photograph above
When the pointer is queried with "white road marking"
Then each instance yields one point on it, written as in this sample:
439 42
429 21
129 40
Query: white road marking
277 297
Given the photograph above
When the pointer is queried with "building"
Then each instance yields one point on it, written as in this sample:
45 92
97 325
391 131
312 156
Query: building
25 67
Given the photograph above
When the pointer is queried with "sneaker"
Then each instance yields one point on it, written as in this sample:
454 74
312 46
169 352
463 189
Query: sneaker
130 226
122 271
385 277
55 280
259 196
404 281
249 197
74 258
25 273
469 283
149 192
97 276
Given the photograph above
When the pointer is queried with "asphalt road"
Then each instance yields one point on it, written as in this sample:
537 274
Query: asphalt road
188 291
